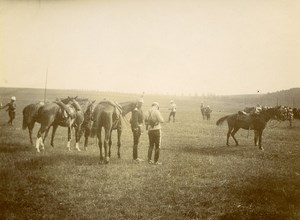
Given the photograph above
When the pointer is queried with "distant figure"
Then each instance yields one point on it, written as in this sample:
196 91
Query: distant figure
136 122
173 110
207 112
290 115
11 109
153 119
202 108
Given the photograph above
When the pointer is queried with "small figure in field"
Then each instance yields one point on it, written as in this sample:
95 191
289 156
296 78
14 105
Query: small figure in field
173 110
136 122
205 111
153 121
11 109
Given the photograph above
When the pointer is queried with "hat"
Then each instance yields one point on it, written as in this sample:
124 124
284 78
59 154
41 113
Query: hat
141 100
13 98
171 101
155 103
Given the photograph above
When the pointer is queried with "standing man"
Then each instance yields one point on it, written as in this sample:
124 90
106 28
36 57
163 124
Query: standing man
11 109
153 125
136 122
173 110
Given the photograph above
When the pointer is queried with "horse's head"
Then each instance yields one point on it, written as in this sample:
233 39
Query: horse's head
278 113
129 106
89 111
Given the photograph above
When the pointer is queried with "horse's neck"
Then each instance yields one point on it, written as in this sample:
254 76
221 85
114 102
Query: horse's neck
127 107
76 106
267 115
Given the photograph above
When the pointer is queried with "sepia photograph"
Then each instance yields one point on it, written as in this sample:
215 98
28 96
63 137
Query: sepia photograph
139 109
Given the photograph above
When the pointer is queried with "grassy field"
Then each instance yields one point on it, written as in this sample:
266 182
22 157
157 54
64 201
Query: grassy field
201 178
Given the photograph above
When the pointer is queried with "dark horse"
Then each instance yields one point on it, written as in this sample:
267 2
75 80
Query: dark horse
109 115
57 114
256 123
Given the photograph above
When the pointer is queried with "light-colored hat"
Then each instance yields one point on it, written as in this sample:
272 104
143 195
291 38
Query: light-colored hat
13 98
171 101
141 100
155 103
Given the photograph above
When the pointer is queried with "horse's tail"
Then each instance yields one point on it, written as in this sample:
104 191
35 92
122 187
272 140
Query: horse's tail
27 117
24 124
221 120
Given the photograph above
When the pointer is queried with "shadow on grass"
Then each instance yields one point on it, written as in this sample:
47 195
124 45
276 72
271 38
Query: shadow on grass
265 197
13 148
220 151
57 160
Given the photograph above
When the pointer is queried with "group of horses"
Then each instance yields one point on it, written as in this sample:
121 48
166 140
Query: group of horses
109 116
68 113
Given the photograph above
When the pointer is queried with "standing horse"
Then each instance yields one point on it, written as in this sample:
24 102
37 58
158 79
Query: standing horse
30 116
87 123
256 123
108 115
58 114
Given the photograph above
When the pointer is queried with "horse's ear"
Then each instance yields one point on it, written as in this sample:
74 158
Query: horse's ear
76 97
93 101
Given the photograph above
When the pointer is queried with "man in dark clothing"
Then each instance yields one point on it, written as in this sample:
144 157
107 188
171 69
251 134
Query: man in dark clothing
11 109
136 122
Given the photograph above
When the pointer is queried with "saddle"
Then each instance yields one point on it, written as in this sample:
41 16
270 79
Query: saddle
67 111
243 116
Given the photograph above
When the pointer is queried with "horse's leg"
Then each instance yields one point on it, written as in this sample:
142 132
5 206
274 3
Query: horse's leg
260 139
53 134
109 144
100 145
86 138
106 143
77 137
39 139
232 135
44 138
119 131
69 138
228 135
255 137
30 128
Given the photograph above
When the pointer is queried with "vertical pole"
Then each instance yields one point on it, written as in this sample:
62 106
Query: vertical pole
45 92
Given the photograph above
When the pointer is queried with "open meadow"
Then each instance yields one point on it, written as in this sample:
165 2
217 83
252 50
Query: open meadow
200 178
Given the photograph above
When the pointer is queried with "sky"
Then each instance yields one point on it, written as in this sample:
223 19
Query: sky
217 47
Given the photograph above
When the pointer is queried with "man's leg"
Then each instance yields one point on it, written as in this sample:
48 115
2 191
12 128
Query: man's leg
157 145
151 144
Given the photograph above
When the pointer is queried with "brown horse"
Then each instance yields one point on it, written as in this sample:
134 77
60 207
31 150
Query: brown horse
109 115
30 115
57 114
256 123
